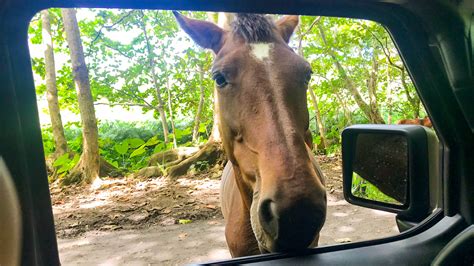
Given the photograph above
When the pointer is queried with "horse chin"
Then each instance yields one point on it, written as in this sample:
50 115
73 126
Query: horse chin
262 238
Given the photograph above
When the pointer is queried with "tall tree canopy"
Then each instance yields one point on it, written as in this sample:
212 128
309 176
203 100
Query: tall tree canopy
140 59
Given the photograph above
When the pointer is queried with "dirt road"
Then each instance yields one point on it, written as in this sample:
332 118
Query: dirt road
126 221
204 240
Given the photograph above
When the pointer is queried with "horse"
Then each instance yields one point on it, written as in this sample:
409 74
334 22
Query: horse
273 197
417 121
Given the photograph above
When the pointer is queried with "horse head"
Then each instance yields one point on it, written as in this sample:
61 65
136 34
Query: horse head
264 124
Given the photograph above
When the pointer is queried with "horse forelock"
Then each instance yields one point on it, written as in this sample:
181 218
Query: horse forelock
253 28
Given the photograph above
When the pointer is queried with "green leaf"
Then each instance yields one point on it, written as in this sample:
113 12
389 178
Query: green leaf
75 159
121 148
152 141
64 169
61 160
184 221
159 147
138 151
202 128
135 143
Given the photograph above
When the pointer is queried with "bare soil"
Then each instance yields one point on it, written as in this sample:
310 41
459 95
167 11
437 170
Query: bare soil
126 221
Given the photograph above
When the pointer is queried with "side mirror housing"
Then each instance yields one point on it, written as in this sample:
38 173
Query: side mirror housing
387 167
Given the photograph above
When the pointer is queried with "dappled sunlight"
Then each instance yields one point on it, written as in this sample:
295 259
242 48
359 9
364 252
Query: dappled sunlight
348 223
93 204
340 214
337 203
76 243
215 254
182 244
382 213
345 229
155 183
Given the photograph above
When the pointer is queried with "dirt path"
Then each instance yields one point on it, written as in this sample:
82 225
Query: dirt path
203 241
125 221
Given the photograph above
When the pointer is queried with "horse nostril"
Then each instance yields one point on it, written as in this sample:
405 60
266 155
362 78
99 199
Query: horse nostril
267 216
266 210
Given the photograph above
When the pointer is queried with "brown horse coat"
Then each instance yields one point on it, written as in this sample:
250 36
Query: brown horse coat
417 121
272 195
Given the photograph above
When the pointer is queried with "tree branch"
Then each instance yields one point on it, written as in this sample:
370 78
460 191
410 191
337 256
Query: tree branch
123 104
118 51
110 26
316 20
385 50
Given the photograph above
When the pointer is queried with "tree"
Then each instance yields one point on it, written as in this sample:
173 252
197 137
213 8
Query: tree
314 100
213 149
87 168
151 63
372 114
197 117
141 58
51 89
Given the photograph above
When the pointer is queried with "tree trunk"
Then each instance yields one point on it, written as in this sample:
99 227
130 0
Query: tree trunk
212 153
88 167
319 122
413 100
347 112
213 149
389 95
349 82
215 133
372 90
151 63
223 20
322 130
51 89
197 118
170 107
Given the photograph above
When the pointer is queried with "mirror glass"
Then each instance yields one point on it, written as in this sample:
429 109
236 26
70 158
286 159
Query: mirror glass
380 168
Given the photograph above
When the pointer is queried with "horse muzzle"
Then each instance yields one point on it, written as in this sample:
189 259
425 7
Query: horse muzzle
291 227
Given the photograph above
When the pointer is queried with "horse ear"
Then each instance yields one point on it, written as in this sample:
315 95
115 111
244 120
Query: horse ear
286 26
205 34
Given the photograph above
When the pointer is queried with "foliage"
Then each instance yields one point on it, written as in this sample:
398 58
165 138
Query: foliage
64 164
126 145
364 189
135 57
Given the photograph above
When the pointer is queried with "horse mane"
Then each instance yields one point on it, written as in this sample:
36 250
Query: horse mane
253 28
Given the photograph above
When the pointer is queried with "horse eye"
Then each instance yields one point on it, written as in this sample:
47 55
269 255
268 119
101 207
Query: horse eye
308 77
219 79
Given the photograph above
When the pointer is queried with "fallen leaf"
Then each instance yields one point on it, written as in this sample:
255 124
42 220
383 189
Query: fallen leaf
138 217
74 225
110 227
182 236
210 206
168 221
343 240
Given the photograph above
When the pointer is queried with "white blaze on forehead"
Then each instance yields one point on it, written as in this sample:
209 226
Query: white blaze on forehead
261 51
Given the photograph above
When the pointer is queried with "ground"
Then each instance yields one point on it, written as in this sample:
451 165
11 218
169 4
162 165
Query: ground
128 221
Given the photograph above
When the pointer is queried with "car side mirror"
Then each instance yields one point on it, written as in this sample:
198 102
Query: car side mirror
386 167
